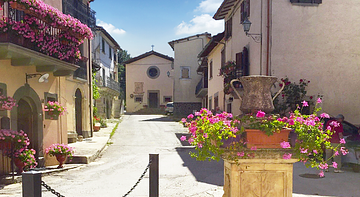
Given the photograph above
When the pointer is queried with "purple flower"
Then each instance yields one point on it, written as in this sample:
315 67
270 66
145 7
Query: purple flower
260 114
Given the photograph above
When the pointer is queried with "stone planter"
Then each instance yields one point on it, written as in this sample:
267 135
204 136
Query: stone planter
258 138
96 128
61 159
265 174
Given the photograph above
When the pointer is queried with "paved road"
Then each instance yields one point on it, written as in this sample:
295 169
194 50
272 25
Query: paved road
180 175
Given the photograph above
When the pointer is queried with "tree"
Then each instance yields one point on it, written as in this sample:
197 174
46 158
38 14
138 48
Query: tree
123 57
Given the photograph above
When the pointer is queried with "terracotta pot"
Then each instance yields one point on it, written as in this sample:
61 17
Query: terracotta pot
96 128
61 159
257 138
19 164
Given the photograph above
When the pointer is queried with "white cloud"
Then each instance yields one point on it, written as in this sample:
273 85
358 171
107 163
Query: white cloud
111 29
200 24
209 6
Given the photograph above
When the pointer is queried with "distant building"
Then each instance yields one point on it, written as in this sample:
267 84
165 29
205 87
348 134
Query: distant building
148 83
185 73
105 51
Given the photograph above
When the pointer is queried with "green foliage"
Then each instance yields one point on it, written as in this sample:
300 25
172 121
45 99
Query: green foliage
124 56
96 93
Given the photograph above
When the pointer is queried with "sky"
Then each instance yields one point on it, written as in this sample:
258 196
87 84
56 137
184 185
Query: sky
138 24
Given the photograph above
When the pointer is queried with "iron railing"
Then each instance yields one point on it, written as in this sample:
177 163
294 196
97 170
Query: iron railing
108 83
201 85
81 11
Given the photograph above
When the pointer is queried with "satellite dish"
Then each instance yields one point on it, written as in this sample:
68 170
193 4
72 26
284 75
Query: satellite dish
44 78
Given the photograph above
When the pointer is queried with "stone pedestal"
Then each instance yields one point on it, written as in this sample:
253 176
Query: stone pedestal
265 174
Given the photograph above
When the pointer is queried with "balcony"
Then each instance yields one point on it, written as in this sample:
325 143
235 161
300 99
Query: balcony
201 88
81 11
108 85
31 38
81 73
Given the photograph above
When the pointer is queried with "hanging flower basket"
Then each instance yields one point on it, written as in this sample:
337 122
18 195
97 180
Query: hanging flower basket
54 109
7 103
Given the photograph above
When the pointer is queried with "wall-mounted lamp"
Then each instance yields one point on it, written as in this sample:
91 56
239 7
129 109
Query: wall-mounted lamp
247 25
42 79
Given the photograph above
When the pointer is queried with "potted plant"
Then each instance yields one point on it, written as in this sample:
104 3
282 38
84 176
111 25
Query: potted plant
7 103
213 135
96 123
25 160
61 152
54 109
15 140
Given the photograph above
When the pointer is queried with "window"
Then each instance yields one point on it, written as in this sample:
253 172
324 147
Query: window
185 72
103 45
307 1
245 10
167 99
138 99
210 103
223 58
110 52
216 100
114 56
228 28
50 97
228 108
153 72
211 69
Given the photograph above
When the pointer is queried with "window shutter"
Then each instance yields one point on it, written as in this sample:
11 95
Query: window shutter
248 8
239 65
245 62
242 9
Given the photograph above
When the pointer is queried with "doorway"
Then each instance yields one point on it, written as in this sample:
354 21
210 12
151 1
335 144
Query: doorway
153 100
78 111
25 121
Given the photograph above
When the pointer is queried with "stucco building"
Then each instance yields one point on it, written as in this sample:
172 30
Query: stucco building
105 55
23 59
148 83
185 73
296 39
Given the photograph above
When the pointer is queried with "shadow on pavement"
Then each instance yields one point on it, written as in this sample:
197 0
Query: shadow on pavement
161 119
183 143
210 172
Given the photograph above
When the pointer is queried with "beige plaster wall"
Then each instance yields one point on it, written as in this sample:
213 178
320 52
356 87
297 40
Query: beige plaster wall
137 72
54 131
319 43
185 53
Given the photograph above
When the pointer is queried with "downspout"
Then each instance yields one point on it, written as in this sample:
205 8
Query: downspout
90 87
268 39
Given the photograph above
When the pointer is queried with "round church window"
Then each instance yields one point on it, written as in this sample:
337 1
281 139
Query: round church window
153 72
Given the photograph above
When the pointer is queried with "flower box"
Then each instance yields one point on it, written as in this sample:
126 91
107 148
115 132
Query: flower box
257 138
18 6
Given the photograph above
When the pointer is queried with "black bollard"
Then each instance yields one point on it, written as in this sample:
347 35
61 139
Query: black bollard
31 184
154 175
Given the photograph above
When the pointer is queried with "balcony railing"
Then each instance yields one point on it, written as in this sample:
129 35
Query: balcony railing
80 11
37 34
108 83
201 88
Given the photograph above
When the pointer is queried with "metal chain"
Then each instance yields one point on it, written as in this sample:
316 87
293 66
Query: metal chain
51 190
141 177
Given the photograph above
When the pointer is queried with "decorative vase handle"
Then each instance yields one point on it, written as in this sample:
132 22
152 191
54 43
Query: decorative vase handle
237 93
281 89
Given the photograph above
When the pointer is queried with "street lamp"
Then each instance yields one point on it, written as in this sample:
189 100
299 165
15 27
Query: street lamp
247 24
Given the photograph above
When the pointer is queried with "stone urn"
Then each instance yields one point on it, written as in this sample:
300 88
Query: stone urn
61 159
256 93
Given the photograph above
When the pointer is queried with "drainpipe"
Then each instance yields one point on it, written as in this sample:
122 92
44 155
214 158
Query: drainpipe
268 39
90 88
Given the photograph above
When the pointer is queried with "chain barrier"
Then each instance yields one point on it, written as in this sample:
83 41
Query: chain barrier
141 177
51 190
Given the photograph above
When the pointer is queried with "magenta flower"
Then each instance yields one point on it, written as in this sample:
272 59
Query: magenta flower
191 140
319 100
287 156
183 120
321 173
302 150
324 115
305 104
323 166
190 116
342 141
240 154
336 153
260 114
315 151
253 148
205 135
183 138
285 144
335 165
291 122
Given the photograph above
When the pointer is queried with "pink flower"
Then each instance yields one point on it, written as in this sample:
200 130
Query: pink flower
205 135
323 166
197 114
190 116
342 141
191 140
315 151
319 100
183 120
336 153
285 144
321 173
305 104
334 164
260 114
200 145
324 115
291 122
183 138
240 154
302 150
287 156
253 148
